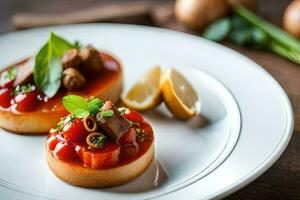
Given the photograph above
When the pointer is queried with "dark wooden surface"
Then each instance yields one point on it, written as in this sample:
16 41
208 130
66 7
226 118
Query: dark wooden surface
282 180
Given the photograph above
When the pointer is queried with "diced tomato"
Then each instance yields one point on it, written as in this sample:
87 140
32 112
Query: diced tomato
146 127
26 101
5 97
129 151
104 157
128 137
65 151
74 131
52 142
133 116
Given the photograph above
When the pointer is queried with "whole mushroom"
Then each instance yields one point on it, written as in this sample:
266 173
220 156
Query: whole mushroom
197 14
291 18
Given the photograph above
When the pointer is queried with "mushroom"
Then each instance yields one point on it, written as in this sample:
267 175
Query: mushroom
197 14
72 79
91 61
71 59
291 18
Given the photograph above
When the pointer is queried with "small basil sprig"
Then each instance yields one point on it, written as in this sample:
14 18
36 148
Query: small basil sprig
48 68
79 107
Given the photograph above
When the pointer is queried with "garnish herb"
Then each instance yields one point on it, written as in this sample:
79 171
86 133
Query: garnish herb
94 106
107 113
76 105
60 124
23 89
79 107
98 140
48 69
247 29
11 74
141 135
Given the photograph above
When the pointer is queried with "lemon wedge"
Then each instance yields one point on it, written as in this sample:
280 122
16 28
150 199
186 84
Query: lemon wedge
179 95
146 93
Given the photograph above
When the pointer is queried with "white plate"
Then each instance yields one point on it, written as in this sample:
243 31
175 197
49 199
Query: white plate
250 117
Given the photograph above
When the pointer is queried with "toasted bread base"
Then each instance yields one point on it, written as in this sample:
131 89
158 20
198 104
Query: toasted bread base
38 123
78 175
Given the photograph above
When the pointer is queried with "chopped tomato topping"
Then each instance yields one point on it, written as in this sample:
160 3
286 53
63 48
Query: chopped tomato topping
129 151
128 137
5 97
104 157
146 127
74 130
133 116
52 142
65 151
26 101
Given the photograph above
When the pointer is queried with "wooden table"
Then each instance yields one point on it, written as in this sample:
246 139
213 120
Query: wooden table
282 180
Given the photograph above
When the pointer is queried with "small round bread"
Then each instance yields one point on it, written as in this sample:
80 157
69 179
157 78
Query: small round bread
107 85
77 174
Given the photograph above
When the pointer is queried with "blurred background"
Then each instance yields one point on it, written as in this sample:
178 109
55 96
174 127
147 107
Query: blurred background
281 181
13 8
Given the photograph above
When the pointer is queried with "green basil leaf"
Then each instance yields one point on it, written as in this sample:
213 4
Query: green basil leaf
218 30
47 71
76 105
59 45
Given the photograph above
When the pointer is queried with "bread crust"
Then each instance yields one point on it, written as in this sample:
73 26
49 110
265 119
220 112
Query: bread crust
39 123
77 174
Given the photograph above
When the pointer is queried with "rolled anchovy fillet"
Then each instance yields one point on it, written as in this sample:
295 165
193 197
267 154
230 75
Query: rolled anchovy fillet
111 121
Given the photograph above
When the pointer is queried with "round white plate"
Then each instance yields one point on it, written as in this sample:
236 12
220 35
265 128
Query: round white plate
250 118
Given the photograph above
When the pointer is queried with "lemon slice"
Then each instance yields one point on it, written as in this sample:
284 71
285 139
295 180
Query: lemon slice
145 94
179 95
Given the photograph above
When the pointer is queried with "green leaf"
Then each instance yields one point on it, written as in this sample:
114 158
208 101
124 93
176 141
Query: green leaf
259 39
274 32
48 68
76 105
60 45
238 22
218 30
94 106
47 71
240 37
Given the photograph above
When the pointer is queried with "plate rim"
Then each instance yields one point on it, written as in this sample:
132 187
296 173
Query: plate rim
285 137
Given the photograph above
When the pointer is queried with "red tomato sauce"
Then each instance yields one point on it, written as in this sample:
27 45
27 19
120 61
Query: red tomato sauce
94 86
123 158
